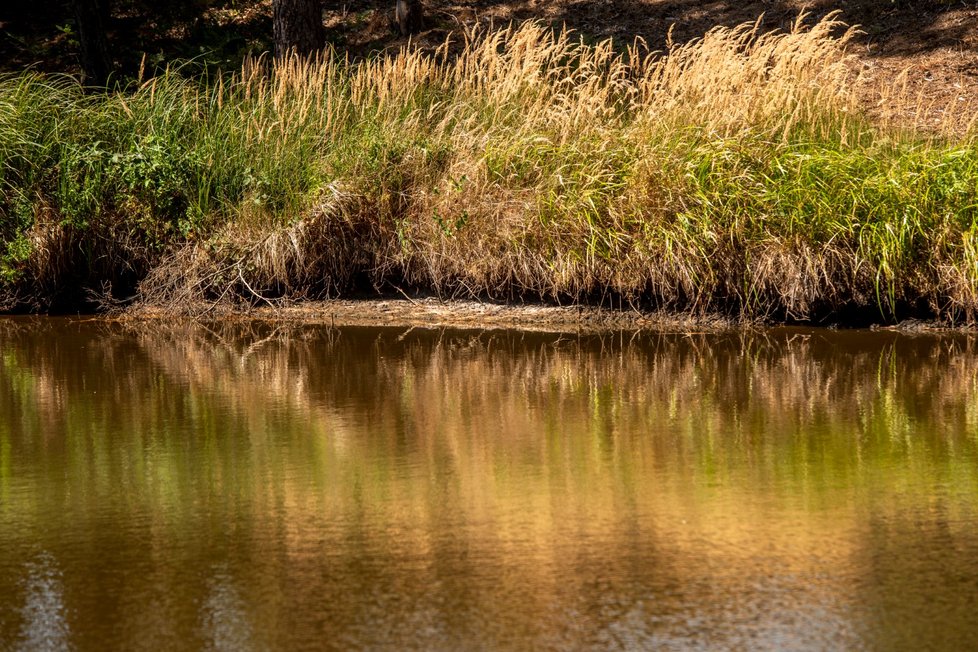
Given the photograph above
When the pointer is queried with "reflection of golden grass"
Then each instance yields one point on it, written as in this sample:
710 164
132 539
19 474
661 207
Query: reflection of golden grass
511 455
487 408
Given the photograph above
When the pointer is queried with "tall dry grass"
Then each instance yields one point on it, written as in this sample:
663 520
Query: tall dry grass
734 173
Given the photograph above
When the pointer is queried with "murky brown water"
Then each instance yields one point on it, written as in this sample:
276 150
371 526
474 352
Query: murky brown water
242 487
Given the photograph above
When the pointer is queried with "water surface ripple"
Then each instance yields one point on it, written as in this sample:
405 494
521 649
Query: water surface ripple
246 486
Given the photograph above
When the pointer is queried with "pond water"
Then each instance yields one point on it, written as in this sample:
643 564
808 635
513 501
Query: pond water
252 486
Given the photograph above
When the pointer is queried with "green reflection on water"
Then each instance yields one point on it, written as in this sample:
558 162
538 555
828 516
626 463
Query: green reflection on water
248 485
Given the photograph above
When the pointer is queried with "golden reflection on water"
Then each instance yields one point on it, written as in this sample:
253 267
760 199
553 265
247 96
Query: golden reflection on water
244 486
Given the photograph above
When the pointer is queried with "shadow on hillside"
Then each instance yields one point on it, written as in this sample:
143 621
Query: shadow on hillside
890 27
40 33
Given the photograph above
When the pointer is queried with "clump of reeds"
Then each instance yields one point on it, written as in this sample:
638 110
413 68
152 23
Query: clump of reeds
732 173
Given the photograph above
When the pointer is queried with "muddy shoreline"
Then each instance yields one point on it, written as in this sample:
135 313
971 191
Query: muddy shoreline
466 314
438 313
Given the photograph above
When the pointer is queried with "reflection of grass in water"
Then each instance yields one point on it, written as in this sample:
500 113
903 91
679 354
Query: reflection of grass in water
215 413
488 452
5 465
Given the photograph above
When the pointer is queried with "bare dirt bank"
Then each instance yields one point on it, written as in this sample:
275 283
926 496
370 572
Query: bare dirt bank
439 313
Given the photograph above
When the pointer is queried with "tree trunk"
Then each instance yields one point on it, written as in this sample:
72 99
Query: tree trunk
409 15
298 26
91 17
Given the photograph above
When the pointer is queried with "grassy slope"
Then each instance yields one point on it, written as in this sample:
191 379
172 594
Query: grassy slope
734 174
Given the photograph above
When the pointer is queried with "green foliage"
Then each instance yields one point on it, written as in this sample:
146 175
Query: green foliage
558 172
18 251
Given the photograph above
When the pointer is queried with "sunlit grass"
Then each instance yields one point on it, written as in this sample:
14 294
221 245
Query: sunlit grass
733 173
